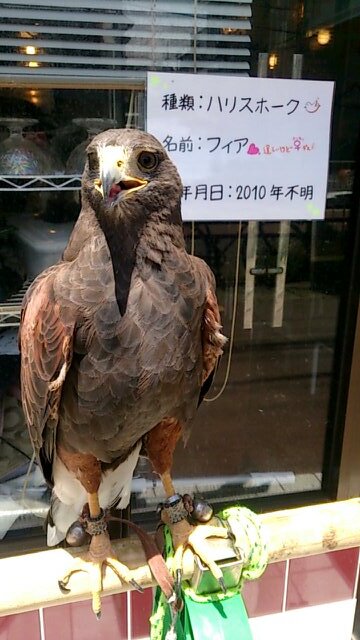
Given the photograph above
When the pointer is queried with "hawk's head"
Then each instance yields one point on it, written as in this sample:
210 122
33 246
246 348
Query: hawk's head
126 166
135 191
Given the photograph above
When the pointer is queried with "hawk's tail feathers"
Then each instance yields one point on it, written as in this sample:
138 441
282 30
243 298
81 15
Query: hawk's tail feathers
69 496
60 517
67 502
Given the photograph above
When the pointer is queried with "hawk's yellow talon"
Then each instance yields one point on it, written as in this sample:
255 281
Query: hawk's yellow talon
100 555
187 537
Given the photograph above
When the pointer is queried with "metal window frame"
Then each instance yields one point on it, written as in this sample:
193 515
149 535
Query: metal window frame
346 463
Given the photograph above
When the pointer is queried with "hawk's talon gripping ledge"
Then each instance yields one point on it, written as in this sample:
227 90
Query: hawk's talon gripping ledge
136 586
238 550
178 581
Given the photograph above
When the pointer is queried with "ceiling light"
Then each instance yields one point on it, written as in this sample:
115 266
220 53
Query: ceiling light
232 31
30 50
324 36
273 60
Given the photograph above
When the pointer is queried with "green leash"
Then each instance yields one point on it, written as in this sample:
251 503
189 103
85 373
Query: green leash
214 616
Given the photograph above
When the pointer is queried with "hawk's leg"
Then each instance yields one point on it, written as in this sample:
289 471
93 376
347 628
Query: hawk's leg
160 444
100 553
188 537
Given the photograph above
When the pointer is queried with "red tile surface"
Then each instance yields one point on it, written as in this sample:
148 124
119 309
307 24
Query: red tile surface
141 607
323 578
265 596
20 626
77 622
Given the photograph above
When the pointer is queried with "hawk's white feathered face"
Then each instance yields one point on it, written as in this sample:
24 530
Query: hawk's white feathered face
124 163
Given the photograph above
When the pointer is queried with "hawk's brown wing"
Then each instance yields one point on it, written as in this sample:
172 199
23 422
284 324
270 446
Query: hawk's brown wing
46 345
213 340
160 442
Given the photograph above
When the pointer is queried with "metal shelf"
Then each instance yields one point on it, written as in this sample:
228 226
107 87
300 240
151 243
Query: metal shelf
10 309
41 183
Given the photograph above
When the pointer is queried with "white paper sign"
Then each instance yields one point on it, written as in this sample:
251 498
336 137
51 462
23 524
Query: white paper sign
246 148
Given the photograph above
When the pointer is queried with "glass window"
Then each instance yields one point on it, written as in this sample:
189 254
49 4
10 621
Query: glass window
43 137
272 426
268 422
119 39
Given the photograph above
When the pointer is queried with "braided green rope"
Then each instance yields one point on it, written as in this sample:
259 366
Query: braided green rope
246 526
157 618
252 541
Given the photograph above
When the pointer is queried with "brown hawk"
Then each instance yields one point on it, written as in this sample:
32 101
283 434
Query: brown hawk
119 340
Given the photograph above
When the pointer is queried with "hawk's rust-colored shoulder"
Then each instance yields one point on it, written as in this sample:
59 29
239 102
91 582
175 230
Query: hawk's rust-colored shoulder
213 340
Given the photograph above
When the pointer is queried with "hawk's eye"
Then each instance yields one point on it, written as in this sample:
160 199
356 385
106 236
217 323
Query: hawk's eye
93 162
147 160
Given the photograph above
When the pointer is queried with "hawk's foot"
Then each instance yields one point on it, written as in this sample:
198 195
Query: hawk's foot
99 556
179 513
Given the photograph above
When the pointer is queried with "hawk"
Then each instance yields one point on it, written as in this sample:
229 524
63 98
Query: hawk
119 341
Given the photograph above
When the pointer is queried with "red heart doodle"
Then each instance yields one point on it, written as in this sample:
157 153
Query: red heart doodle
253 150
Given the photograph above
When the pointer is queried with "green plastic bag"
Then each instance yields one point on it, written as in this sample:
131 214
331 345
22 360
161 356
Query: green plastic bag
213 616
222 620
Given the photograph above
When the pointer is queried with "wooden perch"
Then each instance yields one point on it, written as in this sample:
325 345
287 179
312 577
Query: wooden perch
29 581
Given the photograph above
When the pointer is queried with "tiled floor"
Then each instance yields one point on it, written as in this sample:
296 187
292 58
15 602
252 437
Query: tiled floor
77 621
266 595
22 626
311 581
321 579
321 622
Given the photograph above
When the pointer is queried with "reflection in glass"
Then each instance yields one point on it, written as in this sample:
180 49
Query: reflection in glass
266 433
19 156
76 161
22 488
36 135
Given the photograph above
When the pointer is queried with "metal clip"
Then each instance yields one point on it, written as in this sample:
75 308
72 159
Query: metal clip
203 581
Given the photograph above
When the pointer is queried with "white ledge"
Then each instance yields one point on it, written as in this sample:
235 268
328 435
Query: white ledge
30 581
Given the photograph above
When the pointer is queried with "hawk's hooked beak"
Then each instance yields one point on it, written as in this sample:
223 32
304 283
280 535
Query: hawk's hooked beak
114 181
